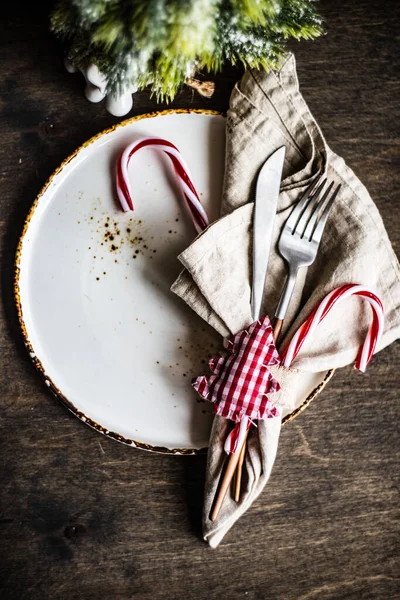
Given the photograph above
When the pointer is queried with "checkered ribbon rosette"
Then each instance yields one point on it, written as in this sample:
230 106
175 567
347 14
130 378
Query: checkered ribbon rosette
241 382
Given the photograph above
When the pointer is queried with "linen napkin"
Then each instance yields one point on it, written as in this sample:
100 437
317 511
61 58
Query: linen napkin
267 111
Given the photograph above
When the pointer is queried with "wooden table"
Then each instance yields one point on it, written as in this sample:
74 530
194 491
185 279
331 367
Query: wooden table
83 517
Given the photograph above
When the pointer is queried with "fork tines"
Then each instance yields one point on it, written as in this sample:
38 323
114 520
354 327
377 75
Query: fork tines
310 214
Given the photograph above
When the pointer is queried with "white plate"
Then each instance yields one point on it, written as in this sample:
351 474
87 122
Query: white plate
110 339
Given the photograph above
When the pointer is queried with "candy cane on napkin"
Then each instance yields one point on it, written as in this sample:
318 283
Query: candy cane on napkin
366 351
234 441
197 211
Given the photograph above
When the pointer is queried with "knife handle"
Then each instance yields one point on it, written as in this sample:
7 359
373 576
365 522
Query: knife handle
227 478
276 331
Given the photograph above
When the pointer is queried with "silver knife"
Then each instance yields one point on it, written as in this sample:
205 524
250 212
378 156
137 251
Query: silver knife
266 201
265 205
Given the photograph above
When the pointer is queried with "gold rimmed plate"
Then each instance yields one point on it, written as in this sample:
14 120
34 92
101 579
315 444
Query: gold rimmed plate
92 286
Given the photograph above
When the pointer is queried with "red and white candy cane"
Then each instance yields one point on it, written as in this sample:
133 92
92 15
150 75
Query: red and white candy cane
238 434
335 297
197 211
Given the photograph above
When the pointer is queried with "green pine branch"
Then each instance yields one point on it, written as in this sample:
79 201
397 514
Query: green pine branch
163 42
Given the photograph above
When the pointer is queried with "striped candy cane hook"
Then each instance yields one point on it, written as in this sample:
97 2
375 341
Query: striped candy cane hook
197 211
335 297
237 435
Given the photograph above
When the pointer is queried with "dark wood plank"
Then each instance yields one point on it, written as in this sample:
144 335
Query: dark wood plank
84 517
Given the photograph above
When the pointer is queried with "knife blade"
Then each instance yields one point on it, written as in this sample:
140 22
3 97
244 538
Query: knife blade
266 201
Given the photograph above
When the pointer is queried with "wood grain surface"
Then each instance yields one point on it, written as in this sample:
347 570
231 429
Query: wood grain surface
83 517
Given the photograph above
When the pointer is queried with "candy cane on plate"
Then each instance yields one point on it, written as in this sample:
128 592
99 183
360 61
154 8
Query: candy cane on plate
197 211
335 297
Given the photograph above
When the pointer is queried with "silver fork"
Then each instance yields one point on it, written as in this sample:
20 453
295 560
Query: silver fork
300 238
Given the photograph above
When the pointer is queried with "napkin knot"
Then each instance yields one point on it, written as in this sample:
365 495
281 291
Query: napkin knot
242 381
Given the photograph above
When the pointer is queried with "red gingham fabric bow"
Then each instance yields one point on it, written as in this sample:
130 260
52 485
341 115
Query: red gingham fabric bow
241 380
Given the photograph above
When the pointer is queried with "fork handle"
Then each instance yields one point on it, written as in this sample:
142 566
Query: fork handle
286 295
277 328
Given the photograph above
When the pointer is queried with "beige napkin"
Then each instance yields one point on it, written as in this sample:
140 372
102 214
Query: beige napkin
266 112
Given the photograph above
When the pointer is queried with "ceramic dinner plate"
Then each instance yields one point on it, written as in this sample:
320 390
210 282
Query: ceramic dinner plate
92 286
